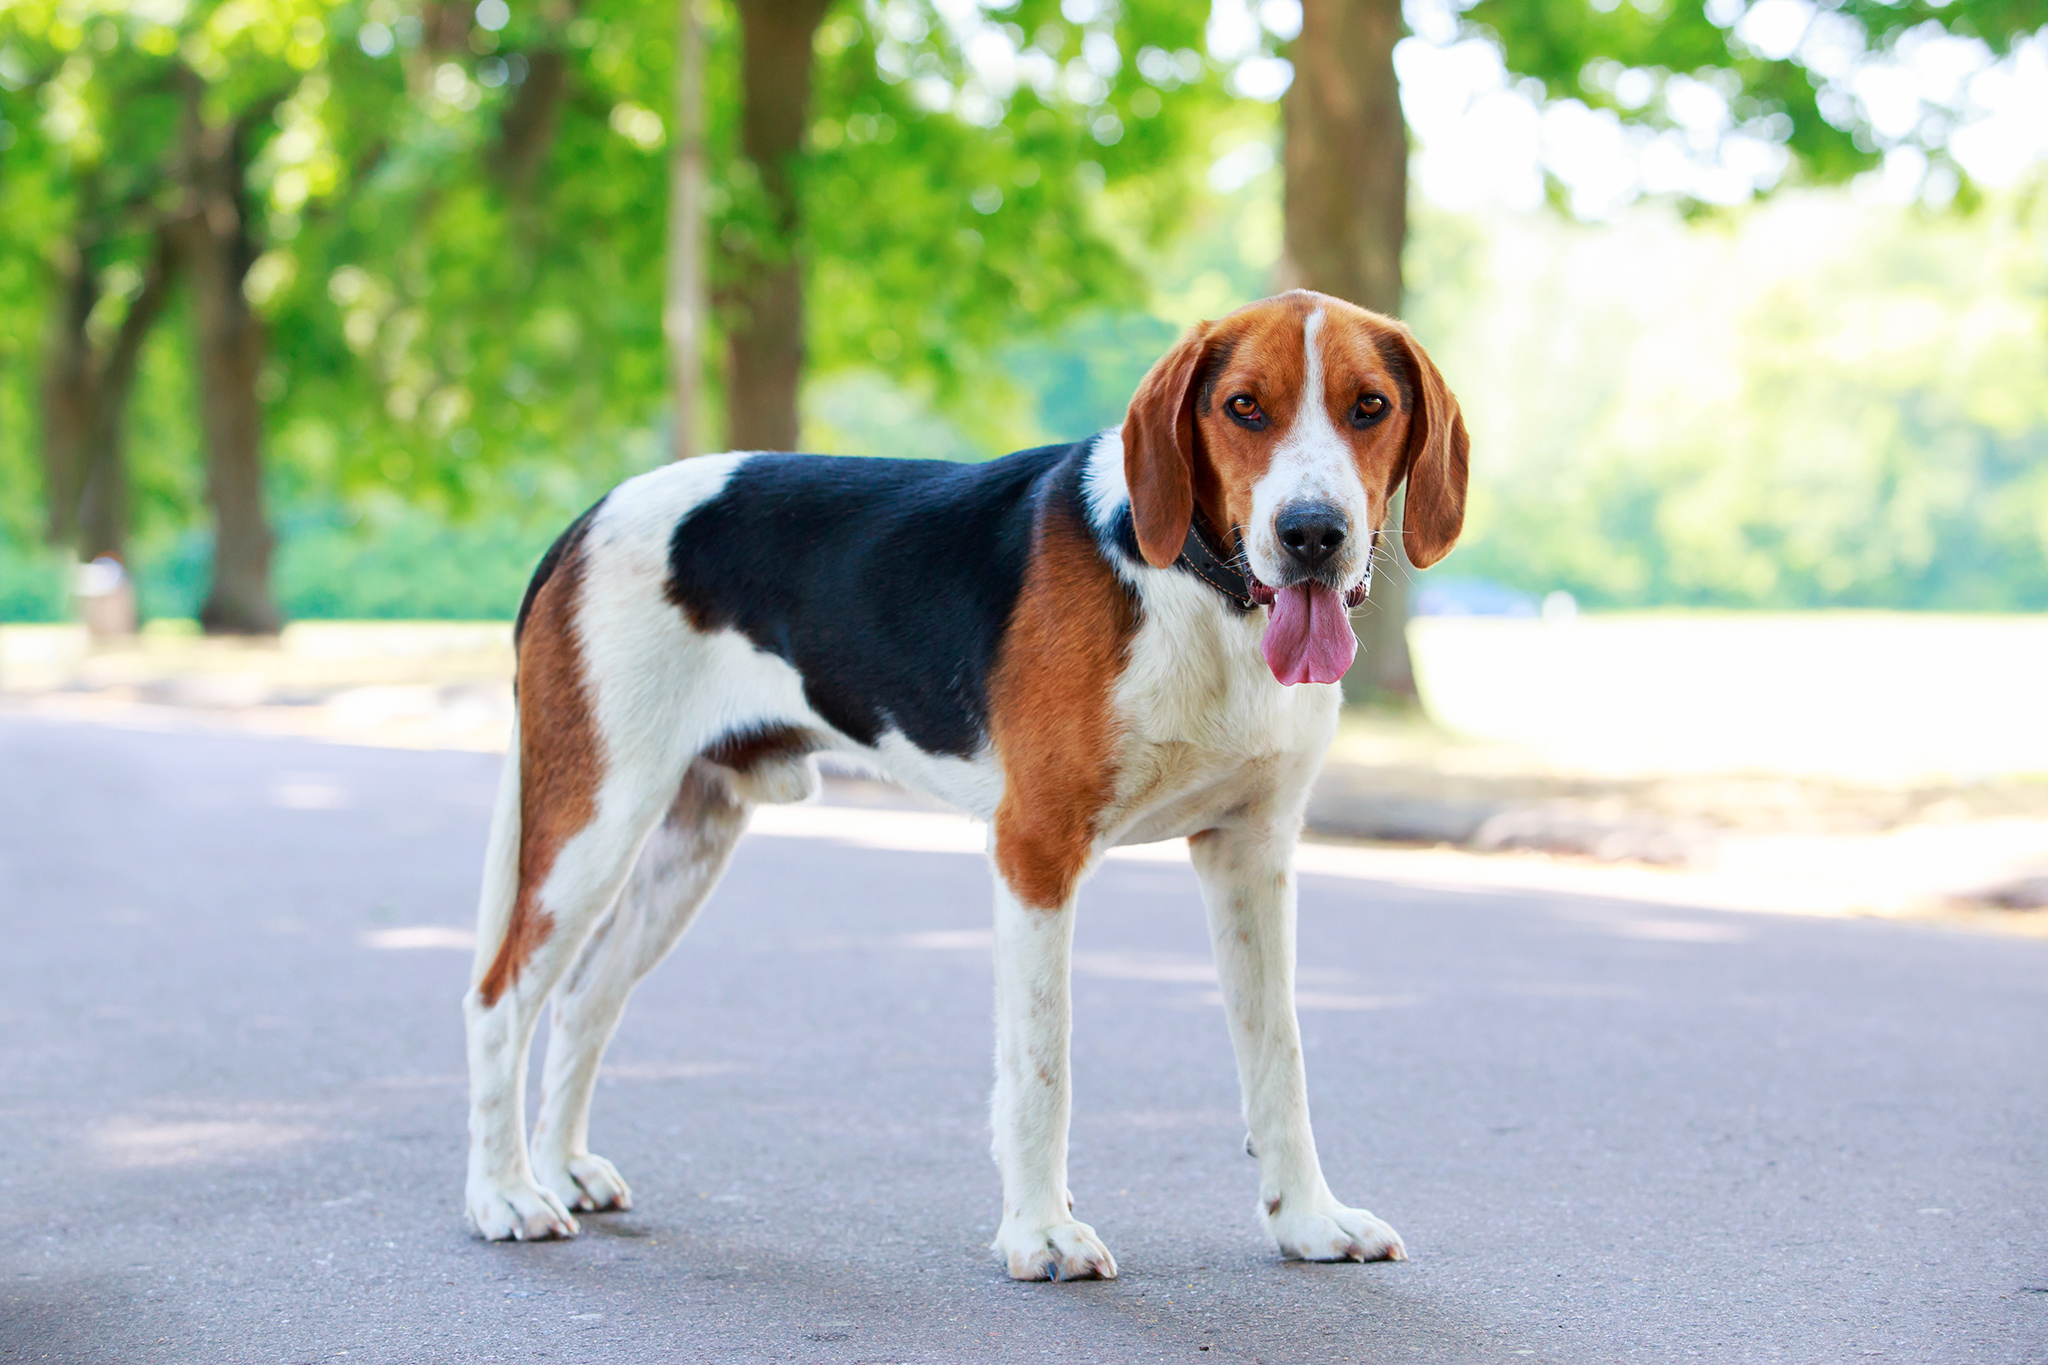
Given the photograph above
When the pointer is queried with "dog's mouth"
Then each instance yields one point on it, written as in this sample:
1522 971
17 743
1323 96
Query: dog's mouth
1308 635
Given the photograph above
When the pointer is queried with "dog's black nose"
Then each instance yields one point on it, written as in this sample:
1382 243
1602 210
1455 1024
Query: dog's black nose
1311 531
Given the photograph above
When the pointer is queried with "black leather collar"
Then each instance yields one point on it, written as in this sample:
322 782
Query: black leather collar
1204 556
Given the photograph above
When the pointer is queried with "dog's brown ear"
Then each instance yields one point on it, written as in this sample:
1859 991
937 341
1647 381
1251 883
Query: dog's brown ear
1159 450
1439 455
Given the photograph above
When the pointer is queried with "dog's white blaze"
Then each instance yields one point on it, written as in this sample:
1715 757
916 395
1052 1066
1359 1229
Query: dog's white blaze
1311 463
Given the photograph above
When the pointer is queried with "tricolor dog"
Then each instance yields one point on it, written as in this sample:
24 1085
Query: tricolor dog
1134 638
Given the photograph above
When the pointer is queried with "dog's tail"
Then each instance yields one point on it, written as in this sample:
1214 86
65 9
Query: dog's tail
501 865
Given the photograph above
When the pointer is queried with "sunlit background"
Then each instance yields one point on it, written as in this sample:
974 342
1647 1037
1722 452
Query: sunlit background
1747 307
1692 380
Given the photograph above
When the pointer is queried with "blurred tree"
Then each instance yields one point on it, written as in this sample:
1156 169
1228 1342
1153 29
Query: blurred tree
930 212
974 183
1346 146
90 364
153 121
218 242
1793 88
86 191
682 318
762 293
416 246
942 194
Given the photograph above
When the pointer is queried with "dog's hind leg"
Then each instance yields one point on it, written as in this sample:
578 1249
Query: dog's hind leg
553 914
600 749
680 864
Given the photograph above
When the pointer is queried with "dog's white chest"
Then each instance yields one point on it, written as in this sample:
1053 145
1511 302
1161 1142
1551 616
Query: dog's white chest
1207 732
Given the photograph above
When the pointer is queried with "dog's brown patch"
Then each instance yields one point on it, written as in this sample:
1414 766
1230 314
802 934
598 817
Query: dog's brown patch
1438 454
560 761
1049 710
742 750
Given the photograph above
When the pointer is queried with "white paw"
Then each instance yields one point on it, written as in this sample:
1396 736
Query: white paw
1327 1231
1056 1251
517 1212
586 1183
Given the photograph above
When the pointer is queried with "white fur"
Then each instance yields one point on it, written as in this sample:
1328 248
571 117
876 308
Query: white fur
1039 1238
1103 482
1209 744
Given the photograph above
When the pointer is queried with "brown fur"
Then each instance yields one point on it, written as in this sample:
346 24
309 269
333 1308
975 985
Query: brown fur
1049 710
560 763
1159 446
745 749
1182 450
1439 457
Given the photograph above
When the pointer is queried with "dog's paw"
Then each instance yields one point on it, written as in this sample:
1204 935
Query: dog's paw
517 1212
1058 1251
586 1183
1327 1231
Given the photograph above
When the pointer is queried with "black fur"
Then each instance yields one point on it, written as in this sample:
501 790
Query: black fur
888 584
549 562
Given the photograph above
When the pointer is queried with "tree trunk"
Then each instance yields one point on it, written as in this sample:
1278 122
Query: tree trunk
765 339
85 393
217 248
527 128
69 392
526 133
1346 162
682 314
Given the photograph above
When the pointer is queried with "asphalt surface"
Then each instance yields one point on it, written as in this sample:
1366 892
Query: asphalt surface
233 1127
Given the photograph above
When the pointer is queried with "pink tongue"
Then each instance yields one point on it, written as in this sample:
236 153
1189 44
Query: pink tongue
1309 638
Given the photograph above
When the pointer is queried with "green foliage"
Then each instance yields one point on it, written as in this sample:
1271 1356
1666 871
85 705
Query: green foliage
406 564
479 336
33 583
1581 49
1817 405
438 327
464 318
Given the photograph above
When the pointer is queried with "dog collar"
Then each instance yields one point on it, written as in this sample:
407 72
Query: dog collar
1203 555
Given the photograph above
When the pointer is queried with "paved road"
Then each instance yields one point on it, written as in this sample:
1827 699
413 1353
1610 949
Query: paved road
232 1128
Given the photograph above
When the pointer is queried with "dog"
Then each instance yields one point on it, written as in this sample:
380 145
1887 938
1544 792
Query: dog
1132 638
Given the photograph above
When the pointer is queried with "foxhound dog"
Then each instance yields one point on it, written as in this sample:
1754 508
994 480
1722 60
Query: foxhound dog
1133 638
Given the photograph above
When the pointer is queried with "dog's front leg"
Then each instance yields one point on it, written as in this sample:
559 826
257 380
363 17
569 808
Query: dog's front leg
1248 886
1039 1238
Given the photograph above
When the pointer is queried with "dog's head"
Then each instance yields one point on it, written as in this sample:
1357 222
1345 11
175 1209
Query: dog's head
1290 423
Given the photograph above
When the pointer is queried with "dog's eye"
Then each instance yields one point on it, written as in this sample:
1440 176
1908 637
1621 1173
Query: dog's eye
1245 409
1370 409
